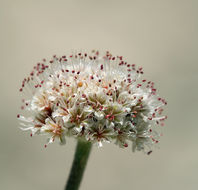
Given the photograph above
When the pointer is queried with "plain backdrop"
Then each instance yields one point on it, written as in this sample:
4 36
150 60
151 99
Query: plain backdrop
159 35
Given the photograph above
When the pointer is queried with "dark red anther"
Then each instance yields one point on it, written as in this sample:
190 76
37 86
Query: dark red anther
125 145
107 116
101 107
149 152
112 117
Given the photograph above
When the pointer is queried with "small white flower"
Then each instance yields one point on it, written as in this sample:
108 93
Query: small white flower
100 98
99 115
55 129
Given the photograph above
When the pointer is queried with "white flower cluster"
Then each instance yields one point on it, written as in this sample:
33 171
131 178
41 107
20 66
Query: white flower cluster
99 98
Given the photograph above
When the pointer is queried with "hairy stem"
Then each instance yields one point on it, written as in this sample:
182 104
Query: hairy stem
81 156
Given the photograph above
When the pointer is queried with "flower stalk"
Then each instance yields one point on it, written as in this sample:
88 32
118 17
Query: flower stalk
81 156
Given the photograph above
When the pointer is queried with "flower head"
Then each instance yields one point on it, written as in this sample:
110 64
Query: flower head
100 98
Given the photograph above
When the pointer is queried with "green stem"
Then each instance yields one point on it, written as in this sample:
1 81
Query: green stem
79 163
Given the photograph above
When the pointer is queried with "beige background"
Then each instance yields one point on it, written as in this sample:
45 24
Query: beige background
159 35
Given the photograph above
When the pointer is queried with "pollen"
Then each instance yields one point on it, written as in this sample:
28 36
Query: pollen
80 84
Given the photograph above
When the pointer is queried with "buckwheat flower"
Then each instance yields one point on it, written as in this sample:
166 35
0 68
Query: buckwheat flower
98 98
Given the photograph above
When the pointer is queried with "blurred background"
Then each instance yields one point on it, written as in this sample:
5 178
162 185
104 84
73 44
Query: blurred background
159 35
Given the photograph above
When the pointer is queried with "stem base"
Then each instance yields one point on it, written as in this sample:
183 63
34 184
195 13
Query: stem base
81 156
